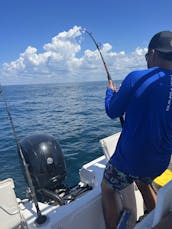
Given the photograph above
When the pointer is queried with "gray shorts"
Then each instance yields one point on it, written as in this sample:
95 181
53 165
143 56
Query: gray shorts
119 180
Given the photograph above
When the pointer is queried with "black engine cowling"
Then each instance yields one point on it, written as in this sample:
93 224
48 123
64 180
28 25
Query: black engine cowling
45 161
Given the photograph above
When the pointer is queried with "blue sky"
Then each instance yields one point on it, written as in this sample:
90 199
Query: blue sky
40 42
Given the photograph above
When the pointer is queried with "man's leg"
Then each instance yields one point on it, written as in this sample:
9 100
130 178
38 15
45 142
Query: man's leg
113 181
110 206
148 194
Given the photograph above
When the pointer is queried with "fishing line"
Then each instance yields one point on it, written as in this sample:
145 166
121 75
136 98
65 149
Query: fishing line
104 63
41 218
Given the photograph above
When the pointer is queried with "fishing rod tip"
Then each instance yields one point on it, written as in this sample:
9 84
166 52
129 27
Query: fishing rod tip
83 30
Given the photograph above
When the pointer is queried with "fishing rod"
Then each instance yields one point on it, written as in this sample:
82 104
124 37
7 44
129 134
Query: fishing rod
98 48
40 218
104 63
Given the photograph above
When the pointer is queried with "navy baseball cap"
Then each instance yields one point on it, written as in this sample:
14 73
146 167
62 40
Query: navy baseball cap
162 42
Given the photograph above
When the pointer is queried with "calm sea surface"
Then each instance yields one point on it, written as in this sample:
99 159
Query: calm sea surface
73 113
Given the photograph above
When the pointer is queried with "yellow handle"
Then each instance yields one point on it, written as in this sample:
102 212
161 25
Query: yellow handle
164 178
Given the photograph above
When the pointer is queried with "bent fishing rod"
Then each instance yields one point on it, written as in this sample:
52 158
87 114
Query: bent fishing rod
104 63
40 218
98 48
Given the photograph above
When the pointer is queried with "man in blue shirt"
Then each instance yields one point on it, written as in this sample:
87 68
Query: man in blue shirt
144 148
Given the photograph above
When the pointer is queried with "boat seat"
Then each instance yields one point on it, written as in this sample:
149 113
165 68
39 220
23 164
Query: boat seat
9 209
108 144
163 206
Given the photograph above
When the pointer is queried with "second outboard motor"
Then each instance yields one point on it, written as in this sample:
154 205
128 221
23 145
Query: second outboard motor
45 161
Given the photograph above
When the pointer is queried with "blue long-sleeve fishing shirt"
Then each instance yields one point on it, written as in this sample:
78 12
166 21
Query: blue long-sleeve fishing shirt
145 145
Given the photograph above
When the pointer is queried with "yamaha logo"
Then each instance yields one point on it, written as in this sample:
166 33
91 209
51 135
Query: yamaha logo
49 160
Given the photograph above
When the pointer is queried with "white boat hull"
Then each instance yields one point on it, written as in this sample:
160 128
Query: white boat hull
83 213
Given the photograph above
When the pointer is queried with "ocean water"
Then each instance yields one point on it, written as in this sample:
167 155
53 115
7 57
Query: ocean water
73 113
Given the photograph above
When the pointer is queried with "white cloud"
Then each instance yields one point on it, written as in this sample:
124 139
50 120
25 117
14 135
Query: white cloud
60 60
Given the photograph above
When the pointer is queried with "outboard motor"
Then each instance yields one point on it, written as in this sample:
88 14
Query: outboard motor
45 162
